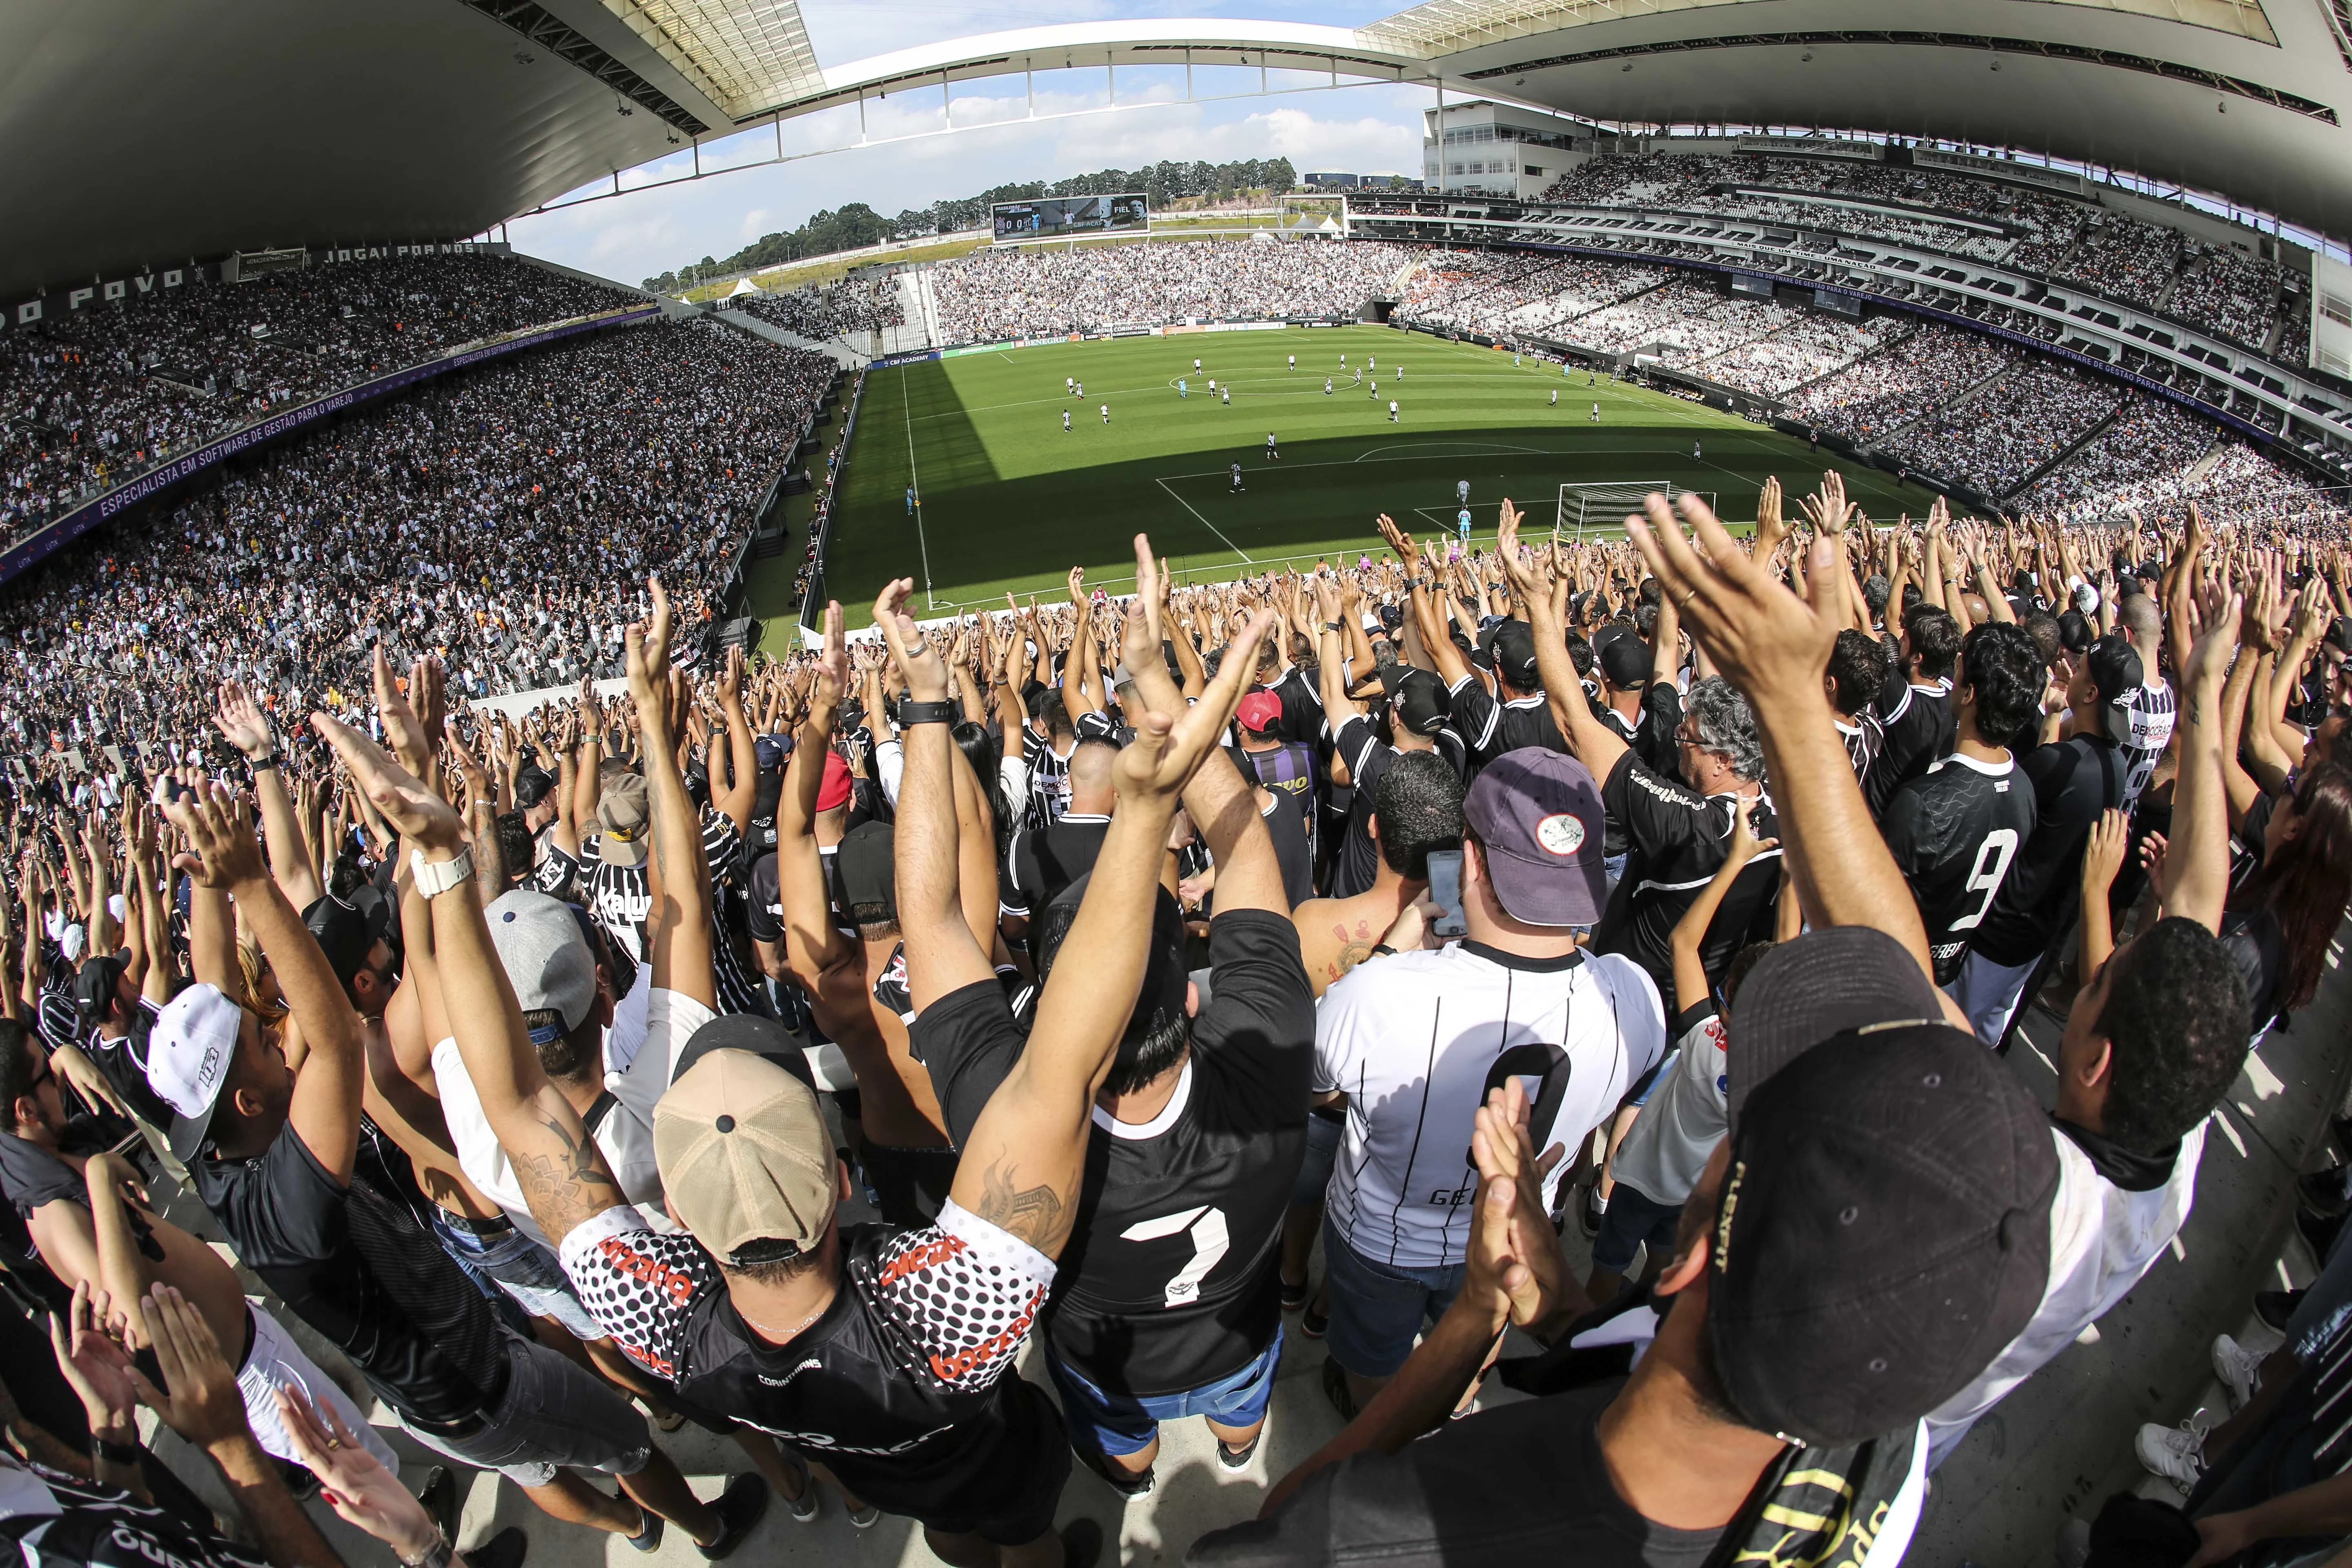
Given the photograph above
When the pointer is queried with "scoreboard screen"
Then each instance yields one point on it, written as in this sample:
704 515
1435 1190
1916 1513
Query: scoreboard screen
1051 216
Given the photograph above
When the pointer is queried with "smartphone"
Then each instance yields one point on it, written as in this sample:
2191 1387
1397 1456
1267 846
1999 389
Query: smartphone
1445 891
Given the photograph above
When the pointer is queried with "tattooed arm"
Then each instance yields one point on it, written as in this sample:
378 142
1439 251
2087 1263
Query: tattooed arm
563 1177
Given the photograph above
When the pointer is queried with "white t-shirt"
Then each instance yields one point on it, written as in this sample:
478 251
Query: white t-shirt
1415 1041
1687 1114
2102 1240
623 1131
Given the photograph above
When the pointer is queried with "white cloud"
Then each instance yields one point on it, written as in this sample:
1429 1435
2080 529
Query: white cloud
645 233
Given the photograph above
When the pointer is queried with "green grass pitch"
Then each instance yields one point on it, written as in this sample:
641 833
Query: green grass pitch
1010 501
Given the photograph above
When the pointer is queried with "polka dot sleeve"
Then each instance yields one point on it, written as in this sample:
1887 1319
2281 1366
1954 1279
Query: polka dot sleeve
962 1293
640 1285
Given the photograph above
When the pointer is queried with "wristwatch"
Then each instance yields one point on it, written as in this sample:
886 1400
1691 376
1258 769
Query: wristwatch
434 878
944 712
267 759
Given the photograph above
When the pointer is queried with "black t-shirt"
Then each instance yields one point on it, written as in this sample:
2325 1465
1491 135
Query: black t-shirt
102 1527
1302 706
356 1266
124 1063
2073 781
31 1176
1169 1280
1662 715
1292 850
557 871
1524 1483
1915 727
903 1388
1679 838
1955 831
1491 728
1367 757
1045 858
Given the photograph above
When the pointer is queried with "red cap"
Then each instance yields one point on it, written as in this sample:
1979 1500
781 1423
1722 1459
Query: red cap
1260 712
835 789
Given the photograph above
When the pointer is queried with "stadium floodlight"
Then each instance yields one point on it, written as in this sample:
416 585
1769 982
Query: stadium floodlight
1603 504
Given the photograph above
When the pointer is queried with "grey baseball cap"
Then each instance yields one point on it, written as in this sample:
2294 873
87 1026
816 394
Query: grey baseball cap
1537 816
546 959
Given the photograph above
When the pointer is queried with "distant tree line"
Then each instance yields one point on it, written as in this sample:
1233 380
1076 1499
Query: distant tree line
857 224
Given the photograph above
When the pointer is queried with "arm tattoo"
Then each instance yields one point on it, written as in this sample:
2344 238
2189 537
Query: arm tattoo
567 1183
1031 1214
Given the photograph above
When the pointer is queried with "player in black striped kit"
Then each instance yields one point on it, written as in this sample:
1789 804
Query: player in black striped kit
1957 829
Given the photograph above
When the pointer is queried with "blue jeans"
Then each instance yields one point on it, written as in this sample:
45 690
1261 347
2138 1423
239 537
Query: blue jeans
1378 1308
1323 1135
522 1269
1632 1220
1122 1424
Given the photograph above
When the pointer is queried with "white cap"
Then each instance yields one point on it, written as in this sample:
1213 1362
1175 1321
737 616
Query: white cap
188 1059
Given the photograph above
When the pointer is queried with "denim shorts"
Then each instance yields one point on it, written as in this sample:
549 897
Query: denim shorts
1122 1424
553 1415
1323 1135
1378 1308
525 1270
1632 1220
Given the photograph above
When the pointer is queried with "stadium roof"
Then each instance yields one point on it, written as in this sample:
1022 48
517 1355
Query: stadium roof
144 131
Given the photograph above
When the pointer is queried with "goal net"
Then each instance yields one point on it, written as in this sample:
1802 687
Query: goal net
1601 507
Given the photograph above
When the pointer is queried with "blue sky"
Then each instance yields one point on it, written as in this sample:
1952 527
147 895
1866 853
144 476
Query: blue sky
642 233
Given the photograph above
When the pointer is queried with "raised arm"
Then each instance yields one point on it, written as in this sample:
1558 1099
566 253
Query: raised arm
325 1110
2196 877
943 954
1023 1160
242 726
677 928
1775 648
738 795
1222 807
1690 932
812 943
1596 745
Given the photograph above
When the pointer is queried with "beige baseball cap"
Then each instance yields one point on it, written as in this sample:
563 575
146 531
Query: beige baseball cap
746 1159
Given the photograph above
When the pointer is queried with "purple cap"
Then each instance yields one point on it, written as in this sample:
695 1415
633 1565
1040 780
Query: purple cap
1536 814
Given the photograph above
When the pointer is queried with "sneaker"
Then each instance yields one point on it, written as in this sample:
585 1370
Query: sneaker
2238 1369
2322 1192
1239 1458
1294 1297
1589 1212
805 1507
2275 1307
1082 1544
864 1518
739 1508
1313 1323
1125 1483
507 1549
2175 1453
649 1537
439 1496
1334 1389
2318 1230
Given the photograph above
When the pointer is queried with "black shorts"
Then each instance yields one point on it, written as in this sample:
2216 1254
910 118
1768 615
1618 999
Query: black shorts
909 1184
1019 1513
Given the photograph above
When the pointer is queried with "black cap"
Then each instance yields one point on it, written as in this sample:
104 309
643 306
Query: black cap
746 1032
1159 1001
94 985
1515 655
532 785
1883 1231
1420 702
345 933
867 862
1816 986
1626 662
2116 671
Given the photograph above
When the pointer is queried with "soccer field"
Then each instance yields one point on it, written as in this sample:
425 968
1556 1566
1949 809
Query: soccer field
1005 499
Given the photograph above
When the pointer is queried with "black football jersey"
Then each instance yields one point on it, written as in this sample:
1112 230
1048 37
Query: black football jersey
1168 1280
1955 831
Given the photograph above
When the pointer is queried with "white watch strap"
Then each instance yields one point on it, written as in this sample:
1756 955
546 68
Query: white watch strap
436 878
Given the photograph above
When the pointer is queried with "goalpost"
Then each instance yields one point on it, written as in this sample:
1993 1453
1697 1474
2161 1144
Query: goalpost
1602 505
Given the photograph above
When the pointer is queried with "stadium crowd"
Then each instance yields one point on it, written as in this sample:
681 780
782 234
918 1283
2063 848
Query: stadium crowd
1684 892
88 395
2071 240
1001 293
490 519
857 303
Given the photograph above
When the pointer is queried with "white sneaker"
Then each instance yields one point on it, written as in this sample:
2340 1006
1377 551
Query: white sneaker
2239 1370
2175 1453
